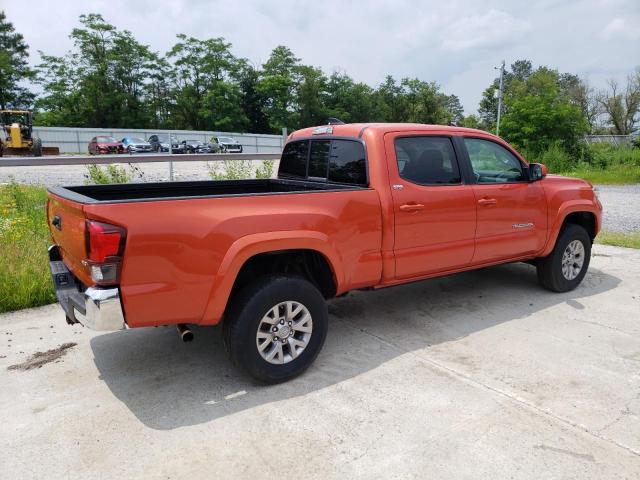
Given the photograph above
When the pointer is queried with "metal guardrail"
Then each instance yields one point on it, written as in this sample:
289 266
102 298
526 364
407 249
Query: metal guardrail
133 158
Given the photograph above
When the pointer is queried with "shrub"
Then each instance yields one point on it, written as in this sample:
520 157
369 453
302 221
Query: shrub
265 170
24 269
111 174
239 170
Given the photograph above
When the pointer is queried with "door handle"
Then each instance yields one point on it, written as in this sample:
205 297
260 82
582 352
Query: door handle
485 202
411 207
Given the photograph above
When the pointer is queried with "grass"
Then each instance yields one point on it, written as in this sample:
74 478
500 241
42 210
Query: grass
602 163
619 239
613 175
24 269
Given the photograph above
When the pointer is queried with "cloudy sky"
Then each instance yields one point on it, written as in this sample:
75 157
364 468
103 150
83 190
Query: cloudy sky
456 42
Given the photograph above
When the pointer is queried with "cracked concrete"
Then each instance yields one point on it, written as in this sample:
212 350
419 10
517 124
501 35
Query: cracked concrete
479 375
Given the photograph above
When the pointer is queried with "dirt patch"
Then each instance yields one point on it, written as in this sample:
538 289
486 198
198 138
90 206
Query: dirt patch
39 359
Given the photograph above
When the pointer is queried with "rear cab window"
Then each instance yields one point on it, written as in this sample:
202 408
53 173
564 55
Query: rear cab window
427 160
327 160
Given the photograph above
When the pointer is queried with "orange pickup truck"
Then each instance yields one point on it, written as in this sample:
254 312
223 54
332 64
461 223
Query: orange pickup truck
353 206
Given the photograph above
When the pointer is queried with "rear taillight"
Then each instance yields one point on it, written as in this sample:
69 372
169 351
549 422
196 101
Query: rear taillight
105 245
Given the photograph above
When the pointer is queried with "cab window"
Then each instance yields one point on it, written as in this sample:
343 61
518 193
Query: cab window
492 163
427 160
337 161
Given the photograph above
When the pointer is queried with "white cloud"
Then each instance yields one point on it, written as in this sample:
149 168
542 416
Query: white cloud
628 28
484 30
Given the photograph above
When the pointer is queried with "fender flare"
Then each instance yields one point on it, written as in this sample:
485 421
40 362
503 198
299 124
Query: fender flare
565 210
248 246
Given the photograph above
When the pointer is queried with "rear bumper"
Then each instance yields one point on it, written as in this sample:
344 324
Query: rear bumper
95 308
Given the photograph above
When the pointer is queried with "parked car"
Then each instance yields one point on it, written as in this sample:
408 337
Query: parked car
102 144
353 207
160 143
197 146
136 144
227 144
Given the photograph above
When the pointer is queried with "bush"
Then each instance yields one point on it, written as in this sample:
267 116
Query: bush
111 174
24 269
265 170
239 170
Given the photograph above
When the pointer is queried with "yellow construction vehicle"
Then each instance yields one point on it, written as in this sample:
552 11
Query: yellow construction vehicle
16 135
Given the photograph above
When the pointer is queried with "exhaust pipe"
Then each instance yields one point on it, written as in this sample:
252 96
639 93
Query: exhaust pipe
185 334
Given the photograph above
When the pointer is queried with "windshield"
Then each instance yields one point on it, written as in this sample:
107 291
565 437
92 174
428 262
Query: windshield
226 139
106 139
193 141
137 140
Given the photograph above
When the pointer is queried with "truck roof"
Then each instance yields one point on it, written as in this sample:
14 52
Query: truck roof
357 129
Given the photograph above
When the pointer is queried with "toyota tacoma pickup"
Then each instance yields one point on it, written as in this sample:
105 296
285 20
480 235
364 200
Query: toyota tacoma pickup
354 206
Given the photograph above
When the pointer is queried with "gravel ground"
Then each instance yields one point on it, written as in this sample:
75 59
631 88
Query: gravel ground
621 207
52 175
621 203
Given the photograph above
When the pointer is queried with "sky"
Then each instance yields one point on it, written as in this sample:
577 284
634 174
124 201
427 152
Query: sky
456 43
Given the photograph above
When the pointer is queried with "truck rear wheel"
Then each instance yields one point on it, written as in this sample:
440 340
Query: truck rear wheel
275 327
565 267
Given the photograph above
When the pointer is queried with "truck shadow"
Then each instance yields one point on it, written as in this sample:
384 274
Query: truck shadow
167 384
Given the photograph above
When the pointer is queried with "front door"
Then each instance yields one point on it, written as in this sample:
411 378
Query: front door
434 210
512 211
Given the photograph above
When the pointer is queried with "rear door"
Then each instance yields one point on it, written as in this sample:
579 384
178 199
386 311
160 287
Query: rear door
434 208
512 211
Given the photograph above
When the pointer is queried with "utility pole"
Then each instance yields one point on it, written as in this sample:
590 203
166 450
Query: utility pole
501 67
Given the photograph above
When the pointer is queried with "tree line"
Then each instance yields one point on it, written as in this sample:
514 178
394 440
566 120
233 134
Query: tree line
109 79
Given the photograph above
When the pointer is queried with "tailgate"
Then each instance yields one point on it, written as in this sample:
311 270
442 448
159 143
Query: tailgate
67 227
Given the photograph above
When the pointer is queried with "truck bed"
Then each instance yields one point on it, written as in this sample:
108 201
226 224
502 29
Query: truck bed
140 192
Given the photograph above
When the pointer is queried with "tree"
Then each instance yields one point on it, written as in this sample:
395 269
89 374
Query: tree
310 109
470 121
252 101
280 78
539 115
207 95
622 105
581 94
488 111
14 67
102 82
347 100
453 107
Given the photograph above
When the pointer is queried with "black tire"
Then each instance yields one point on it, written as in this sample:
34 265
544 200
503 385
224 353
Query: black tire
129 150
36 147
244 317
549 268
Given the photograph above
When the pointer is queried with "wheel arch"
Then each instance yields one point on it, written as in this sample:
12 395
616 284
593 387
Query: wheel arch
581 214
299 251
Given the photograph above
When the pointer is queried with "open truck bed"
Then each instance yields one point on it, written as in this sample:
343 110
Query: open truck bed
140 192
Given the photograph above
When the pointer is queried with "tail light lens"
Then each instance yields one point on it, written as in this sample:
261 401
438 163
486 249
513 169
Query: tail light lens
105 245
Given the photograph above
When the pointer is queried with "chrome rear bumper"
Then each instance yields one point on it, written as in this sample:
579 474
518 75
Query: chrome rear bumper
96 308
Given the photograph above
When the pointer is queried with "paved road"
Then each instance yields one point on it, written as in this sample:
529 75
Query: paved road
479 375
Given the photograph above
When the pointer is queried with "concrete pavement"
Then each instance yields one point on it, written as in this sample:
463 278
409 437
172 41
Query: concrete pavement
478 375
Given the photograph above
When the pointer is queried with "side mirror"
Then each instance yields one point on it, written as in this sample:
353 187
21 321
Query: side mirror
537 171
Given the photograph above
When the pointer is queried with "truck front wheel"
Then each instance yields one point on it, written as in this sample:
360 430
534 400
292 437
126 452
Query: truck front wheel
565 267
275 327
